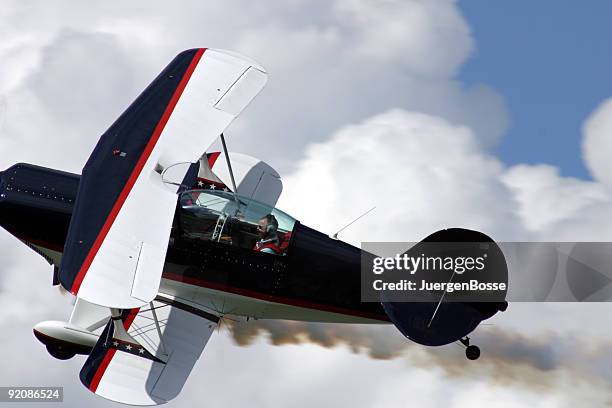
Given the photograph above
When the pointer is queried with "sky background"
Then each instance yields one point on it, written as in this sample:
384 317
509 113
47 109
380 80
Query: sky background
551 61
490 115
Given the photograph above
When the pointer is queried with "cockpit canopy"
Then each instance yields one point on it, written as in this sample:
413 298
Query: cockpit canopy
224 217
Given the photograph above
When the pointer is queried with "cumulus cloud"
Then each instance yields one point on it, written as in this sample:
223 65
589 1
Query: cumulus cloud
56 117
424 173
543 198
597 143
421 172
413 33
330 64
76 81
559 208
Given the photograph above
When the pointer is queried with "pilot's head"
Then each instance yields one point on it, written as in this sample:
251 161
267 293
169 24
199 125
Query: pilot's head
267 226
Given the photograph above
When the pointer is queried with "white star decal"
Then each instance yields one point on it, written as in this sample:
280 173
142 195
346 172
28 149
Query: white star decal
225 189
200 184
115 343
141 351
128 347
212 186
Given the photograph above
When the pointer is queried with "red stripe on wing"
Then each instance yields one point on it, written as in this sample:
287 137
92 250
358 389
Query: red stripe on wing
135 173
95 381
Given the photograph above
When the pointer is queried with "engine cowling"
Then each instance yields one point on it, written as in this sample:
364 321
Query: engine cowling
442 320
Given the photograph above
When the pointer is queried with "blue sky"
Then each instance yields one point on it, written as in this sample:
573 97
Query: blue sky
552 62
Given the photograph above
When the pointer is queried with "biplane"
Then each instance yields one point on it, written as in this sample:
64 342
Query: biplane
160 238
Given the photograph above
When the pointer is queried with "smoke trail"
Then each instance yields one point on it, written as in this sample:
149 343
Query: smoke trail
508 358
378 343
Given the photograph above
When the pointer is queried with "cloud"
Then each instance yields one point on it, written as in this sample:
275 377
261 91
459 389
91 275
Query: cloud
544 198
421 172
424 173
412 33
57 115
597 143
559 208
329 63
72 81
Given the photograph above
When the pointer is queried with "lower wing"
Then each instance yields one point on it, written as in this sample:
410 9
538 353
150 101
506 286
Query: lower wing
144 356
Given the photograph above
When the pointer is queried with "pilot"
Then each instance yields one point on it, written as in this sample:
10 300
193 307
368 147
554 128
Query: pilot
189 198
267 229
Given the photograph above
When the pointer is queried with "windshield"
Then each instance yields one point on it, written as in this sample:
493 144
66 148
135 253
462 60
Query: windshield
236 220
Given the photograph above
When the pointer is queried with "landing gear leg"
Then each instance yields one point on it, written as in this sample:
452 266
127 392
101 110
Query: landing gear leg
472 352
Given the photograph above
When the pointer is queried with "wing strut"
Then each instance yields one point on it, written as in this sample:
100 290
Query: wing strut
229 164
231 172
159 332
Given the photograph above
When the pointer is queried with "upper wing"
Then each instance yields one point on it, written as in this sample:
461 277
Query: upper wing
132 364
119 231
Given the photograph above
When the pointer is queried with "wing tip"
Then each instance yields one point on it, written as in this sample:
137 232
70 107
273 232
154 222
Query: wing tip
240 56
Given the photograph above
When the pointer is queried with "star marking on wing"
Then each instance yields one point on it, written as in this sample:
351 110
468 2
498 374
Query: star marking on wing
141 351
128 347
212 186
115 343
200 184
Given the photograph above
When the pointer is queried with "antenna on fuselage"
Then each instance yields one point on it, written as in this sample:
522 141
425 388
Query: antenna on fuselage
335 236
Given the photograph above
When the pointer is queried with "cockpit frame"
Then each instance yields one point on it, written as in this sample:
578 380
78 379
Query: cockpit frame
225 217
